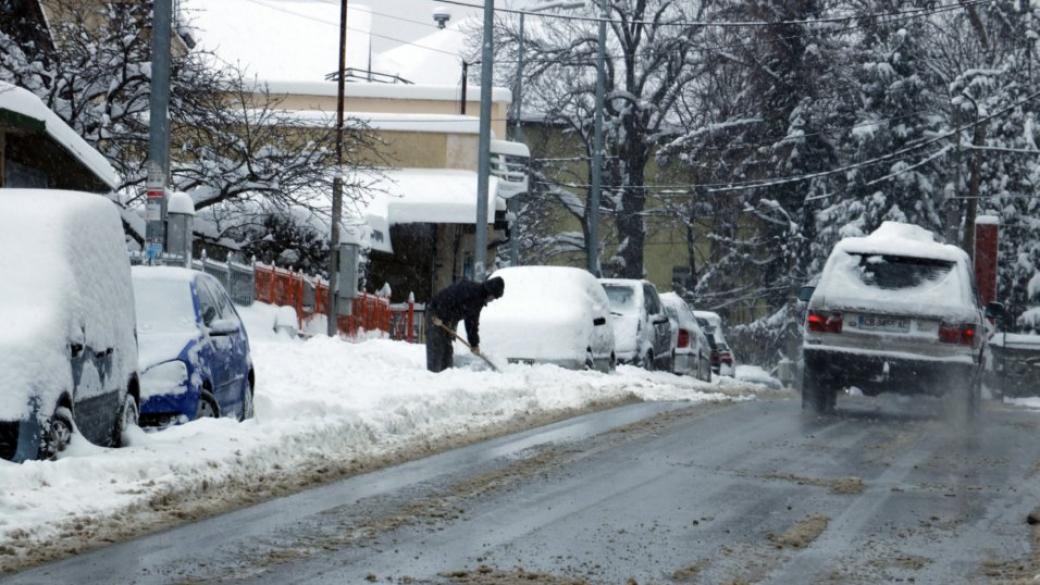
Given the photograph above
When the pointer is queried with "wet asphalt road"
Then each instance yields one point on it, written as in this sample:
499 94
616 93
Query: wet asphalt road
886 491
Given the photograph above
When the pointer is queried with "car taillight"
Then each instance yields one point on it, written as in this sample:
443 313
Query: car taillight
821 322
714 357
959 334
726 358
684 338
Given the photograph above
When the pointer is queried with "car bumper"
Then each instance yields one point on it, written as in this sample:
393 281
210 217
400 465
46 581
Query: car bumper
876 372
20 439
164 406
686 363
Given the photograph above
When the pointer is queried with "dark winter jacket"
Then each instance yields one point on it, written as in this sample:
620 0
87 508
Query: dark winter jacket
463 301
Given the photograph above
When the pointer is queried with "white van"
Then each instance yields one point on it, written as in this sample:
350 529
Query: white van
68 347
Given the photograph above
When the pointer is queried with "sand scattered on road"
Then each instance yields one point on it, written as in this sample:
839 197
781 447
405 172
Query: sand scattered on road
803 533
484 575
842 485
689 574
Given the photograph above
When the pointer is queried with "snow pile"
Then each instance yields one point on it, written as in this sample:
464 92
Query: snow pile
322 401
756 375
66 280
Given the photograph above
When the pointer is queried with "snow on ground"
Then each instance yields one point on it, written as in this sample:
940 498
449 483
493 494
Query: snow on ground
1032 402
317 401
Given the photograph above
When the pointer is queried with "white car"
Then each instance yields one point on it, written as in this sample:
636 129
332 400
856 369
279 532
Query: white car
68 351
894 311
642 332
550 314
722 360
691 353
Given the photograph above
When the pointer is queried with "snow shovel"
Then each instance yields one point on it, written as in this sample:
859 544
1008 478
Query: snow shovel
451 332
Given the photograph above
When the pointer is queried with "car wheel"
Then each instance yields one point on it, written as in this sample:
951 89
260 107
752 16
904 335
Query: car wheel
817 397
129 415
247 403
648 361
590 360
58 434
207 407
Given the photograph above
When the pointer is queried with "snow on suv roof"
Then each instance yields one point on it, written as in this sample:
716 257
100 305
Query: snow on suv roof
902 239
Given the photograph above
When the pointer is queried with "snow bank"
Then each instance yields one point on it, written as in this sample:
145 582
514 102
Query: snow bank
317 401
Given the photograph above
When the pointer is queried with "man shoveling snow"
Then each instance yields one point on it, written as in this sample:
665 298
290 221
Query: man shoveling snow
461 301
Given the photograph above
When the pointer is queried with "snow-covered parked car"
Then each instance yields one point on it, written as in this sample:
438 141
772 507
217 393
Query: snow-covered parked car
68 357
550 314
642 332
722 360
691 353
194 359
894 311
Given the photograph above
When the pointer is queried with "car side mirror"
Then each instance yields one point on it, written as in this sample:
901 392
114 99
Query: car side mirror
224 327
805 293
208 315
995 311
599 321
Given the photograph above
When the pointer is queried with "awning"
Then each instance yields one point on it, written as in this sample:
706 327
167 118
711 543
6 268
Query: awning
445 196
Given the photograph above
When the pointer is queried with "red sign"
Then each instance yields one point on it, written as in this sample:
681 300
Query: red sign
987 243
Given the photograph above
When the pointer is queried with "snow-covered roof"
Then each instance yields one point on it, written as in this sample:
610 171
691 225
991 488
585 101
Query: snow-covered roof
387 122
287 40
435 58
25 103
401 196
389 91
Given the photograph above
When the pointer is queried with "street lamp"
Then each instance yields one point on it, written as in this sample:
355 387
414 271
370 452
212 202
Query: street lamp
513 205
518 97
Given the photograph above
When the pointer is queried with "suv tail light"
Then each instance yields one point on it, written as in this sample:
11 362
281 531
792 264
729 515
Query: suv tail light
959 334
726 358
684 338
824 322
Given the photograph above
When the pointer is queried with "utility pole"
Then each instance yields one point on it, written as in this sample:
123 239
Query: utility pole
597 156
973 188
331 309
158 166
484 162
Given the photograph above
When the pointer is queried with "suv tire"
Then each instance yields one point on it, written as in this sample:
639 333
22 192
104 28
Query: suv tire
817 395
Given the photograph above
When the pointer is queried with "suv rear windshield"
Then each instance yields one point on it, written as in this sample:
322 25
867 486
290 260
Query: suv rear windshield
897 272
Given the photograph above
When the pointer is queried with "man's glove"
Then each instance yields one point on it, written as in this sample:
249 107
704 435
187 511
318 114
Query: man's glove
475 350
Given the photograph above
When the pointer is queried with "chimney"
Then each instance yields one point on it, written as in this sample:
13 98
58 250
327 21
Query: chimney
987 243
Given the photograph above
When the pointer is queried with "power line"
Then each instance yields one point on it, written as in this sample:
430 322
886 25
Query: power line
895 15
713 188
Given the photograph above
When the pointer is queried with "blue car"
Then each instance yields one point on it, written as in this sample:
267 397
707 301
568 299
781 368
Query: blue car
193 349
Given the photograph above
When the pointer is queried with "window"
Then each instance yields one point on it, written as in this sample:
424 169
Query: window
653 304
898 272
207 302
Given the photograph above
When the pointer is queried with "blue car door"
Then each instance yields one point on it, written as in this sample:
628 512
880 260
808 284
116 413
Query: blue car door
238 356
227 378
212 356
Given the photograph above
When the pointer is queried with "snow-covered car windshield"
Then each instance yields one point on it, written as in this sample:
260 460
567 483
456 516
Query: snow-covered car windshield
898 272
622 298
163 305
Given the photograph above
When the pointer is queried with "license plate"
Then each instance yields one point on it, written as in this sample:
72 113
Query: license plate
884 323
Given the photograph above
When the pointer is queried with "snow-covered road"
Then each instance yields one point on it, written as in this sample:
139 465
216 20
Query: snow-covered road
324 408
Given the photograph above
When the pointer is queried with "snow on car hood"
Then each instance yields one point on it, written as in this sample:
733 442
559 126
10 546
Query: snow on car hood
156 348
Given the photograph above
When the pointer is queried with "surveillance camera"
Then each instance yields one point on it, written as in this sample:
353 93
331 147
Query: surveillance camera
441 16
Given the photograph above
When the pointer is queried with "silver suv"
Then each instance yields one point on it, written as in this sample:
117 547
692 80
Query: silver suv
894 311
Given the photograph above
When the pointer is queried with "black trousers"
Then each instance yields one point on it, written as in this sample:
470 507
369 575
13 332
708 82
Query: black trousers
440 355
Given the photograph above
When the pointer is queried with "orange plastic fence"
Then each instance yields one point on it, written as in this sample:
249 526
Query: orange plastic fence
278 286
